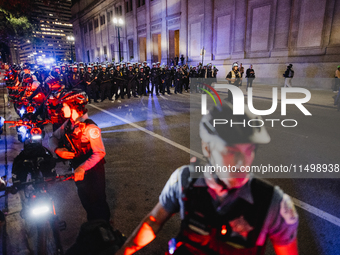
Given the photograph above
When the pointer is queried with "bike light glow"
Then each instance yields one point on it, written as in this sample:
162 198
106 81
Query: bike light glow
22 111
36 137
22 129
40 210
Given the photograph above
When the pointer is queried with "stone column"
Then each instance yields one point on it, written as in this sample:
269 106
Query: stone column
183 32
164 34
123 35
148 32
239 28
135 34
208 30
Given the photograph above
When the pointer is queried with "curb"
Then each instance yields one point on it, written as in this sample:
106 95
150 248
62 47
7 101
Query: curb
311 104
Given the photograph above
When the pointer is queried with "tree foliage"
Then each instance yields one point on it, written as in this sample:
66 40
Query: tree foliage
15 19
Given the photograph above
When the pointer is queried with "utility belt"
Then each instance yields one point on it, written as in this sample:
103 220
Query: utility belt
183 246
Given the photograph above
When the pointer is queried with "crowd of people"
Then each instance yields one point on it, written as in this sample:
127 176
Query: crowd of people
113 81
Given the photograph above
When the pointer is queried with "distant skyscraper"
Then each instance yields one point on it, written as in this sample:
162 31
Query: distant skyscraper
49 39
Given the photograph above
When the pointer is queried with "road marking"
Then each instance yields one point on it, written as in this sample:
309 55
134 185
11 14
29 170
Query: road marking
177 145
164 97
309 208
322 214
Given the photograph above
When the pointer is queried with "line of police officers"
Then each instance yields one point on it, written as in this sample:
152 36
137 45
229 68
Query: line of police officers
117 81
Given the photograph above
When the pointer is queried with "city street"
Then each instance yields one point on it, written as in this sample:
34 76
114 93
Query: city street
147 138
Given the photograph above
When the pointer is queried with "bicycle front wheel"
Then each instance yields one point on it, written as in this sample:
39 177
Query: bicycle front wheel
48 238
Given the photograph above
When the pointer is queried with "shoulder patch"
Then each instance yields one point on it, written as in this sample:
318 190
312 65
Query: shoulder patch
288 211
94 133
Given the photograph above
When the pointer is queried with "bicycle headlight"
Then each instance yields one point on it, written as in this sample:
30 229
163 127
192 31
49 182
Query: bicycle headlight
22 111
40 210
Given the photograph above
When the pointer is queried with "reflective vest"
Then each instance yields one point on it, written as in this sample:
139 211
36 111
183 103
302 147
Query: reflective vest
82 149
204 231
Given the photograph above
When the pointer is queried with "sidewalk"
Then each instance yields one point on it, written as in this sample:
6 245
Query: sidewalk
13 237
319 97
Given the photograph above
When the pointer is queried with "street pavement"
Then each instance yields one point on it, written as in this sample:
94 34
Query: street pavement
147 138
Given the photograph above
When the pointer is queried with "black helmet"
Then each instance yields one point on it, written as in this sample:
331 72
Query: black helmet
74 97
235 134
26 67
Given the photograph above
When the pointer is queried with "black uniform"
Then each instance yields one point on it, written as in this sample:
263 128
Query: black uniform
64 80
105 79
119 80
155 77
75 80
178 82
132 82
147 82
96 72
166 81
91 86
142 83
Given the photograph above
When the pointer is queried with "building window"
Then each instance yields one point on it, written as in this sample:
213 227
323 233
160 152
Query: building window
109 15
92 54
113 52
119 11
130 42
98 52
105 50
128 5
85 28
140 3
96 23
102 20
90 26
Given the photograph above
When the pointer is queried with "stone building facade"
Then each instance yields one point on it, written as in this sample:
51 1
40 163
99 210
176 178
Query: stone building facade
266 33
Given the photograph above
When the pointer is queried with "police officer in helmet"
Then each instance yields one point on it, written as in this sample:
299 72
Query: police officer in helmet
79 140
222 212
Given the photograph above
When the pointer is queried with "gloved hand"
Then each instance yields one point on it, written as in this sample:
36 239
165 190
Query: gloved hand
79 174
64 153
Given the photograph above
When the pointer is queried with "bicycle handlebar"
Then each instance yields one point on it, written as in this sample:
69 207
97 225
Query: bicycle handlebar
17 185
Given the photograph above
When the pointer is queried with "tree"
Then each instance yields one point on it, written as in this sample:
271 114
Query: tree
15 22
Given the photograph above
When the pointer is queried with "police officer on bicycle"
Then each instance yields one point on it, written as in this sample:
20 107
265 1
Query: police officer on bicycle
79 140
222 212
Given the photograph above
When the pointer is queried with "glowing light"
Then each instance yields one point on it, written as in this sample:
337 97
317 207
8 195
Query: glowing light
36 137
115 20
40 210
120 21
22 111
224 230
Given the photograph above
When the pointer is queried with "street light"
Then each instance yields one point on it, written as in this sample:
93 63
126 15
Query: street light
118 23
71 40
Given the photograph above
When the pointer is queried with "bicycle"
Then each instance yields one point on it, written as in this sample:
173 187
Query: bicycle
32 171
41 220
